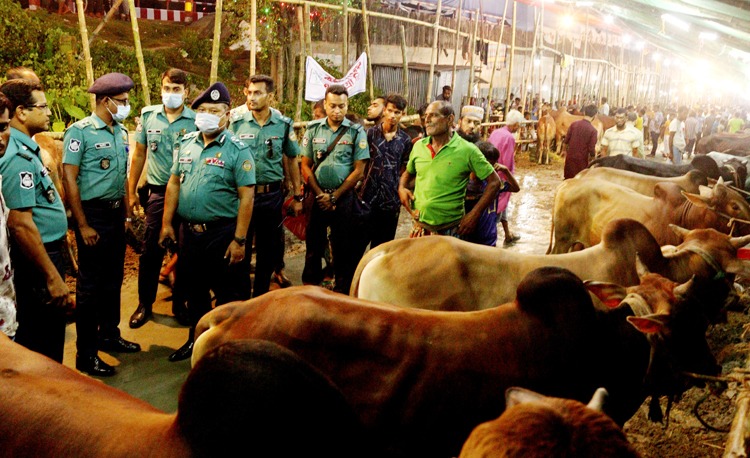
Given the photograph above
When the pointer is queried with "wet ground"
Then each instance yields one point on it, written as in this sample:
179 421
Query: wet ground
149 376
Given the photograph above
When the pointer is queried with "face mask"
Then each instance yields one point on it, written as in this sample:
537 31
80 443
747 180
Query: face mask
171 101
207 122
122 112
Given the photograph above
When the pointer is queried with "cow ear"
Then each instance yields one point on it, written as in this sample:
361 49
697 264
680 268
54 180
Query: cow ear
738 267
598 400
609 293
515 395
706 192
649 324
680 232
696 199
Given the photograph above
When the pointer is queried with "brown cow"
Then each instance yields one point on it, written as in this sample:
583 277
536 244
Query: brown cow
251 396
444 273
584 207
421 380
537 426
644 184
545 134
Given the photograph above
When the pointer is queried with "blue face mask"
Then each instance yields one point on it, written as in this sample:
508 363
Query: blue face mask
171 101
121 114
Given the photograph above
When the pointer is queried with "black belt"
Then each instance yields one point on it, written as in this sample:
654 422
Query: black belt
158 188
270 187
103 204
199 228
55 245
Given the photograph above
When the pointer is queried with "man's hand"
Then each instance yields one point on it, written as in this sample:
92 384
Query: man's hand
296 208
235 253
406 197
324 202
89 235
134 203
167 233
58 291
468 223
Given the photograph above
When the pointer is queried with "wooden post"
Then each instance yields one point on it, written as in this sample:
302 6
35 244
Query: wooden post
308 31
253 35
552 82
345 40
455 48
301 74
472 49
86 50
433 54
524 82
405 65
494 64
106 19
282 75
541 62
512 54
139 53
213 77
365 21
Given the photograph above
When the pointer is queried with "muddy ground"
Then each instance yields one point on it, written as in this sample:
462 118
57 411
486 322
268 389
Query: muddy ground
529 213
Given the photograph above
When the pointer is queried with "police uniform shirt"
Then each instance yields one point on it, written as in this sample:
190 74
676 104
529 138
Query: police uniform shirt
352 147
210 176
267 143
161 139
27 184
101 155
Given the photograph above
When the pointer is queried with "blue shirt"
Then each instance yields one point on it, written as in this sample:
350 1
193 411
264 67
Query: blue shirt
386 160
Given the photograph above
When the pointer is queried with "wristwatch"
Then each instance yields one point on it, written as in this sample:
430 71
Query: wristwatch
300 198
333 199
240 240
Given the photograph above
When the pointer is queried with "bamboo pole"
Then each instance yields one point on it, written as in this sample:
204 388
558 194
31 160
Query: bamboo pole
540 71
433 54
366 21
345 38
106 19
405 65
524 82
301 74
308 31
86 50
139 53
455 48
494 64
552 82
472 49
282 75
253 33
512 52
217 42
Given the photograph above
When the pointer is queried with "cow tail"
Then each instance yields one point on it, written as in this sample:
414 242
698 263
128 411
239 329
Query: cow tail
366 259
551 233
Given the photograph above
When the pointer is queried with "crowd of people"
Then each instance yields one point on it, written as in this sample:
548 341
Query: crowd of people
216 182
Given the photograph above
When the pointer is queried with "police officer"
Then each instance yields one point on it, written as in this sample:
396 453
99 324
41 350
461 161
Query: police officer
211 189
338 152
95 157
37 224
157 135
270 136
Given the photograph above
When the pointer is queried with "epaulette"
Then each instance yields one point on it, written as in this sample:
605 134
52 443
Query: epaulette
237 141
150 108
316 122
190 135
26 156
85 122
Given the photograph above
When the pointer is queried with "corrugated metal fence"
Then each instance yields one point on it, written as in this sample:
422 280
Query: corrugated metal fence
389 79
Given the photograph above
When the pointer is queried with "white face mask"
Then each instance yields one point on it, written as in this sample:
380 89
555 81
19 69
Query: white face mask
122 112
207 123
171 101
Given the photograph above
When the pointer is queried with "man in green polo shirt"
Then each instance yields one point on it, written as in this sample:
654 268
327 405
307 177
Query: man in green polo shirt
95 161
440 165
334 155
273 143
37 224
157 137
211 189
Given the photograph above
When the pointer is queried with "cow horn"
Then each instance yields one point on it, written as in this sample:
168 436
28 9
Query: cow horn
640 267
598 400
680 232
681 290
739 242
516 395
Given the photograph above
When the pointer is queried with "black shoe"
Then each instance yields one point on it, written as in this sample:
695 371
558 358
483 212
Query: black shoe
180 312
182 353
140 316
92 365
119 345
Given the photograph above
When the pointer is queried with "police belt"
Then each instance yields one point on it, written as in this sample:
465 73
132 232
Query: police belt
157 188
103 204
199 228
55 245
270 187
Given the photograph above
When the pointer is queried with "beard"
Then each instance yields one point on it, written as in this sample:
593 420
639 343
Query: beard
471 138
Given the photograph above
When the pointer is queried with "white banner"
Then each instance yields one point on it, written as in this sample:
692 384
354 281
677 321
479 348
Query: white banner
317 80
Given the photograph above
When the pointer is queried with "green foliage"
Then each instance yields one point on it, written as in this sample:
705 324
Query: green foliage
20 29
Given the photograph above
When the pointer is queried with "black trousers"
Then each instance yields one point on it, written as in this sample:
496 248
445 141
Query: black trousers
204 268
100 273
654 142
41 326
266 227
346 243
152 256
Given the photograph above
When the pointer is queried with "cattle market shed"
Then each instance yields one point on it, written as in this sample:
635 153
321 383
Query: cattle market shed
389 78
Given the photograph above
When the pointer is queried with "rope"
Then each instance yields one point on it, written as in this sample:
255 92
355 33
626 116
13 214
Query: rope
701 420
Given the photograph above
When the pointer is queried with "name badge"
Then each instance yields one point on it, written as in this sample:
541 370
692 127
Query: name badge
318 141
153 131
103 145
247 136
273 138
215 161
185 160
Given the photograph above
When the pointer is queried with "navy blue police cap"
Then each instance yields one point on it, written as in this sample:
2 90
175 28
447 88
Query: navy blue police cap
216 93
111 84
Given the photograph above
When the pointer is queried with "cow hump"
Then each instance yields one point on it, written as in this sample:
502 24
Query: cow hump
548 292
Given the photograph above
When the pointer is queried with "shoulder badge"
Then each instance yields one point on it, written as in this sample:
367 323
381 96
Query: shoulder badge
247 165
362 144
27 180
74 146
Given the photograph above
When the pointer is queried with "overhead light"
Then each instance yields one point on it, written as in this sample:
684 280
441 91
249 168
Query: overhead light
608 19
567 21
675 21
640 45
580 73
667 62
708 36
656 56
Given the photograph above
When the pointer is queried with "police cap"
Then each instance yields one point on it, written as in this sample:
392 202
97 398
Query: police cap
216 93
111 84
